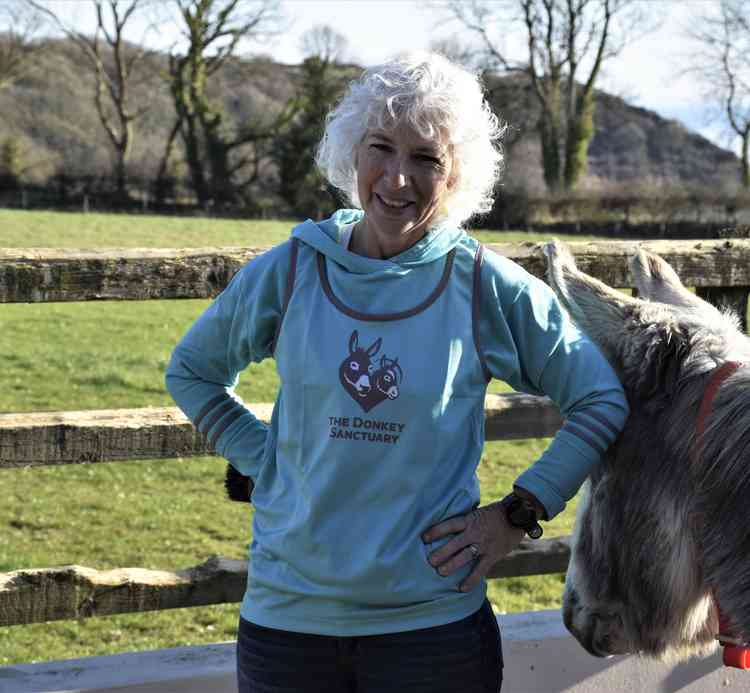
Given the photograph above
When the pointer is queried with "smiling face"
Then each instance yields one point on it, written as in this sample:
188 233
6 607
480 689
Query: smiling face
402 180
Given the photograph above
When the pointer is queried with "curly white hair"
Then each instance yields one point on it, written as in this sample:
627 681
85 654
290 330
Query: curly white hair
437 98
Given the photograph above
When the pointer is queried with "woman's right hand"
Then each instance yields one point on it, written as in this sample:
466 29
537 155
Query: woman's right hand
484 535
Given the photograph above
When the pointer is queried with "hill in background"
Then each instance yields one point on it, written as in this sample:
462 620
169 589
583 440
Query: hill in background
52 114
632 146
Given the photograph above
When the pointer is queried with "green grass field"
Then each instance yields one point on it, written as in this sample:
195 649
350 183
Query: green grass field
161 513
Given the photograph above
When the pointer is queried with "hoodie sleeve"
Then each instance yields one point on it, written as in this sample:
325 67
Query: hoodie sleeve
238 328
528 341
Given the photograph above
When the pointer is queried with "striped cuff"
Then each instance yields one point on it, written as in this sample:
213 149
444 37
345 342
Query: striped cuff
217 415
593 429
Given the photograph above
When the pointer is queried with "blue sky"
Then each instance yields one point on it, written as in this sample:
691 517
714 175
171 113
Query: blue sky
647 73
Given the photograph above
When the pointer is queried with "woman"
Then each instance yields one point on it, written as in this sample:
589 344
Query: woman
387 322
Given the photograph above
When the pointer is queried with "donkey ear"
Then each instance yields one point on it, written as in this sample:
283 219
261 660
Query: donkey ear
374 347
657 281
353 342
596 308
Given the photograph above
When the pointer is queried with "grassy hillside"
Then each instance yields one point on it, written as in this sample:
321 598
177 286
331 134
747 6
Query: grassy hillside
160 513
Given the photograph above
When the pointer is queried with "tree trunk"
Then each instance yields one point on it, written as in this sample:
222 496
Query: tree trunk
550 132
217 150
191 141
580 132
123 155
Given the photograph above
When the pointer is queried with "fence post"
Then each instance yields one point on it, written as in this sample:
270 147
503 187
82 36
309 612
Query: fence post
732 297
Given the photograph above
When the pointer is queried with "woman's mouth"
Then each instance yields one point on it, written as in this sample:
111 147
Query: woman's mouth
393 203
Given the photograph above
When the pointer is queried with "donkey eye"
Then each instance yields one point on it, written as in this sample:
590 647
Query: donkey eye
354 365
388 378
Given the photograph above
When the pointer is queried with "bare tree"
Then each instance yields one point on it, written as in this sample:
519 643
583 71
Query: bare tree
217 150
459 52
116 65
325 43
566 44
721 34
19 27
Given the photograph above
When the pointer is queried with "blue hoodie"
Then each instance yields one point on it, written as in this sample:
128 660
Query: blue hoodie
378 427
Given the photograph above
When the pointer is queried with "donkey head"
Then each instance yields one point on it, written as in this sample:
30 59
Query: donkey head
657 533
388 377
357 368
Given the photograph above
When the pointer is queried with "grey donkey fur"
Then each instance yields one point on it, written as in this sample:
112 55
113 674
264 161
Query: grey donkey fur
660 529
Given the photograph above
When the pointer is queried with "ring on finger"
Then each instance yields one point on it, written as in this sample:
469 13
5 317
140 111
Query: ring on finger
474 550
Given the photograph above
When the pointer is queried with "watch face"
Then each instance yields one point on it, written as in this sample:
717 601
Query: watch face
535 532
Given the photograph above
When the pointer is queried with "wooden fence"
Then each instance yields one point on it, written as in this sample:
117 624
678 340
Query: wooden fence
720 271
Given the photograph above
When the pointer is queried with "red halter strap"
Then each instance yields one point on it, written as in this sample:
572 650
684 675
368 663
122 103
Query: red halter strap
719 375
736 653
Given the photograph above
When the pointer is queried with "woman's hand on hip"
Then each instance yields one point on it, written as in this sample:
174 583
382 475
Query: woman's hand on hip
483 536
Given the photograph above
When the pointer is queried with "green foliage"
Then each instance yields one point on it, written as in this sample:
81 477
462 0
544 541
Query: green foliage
319 85
11 163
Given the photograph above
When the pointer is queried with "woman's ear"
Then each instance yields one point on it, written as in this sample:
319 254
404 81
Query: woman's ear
454 175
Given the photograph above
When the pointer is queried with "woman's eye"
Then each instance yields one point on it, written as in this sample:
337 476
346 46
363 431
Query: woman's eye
430 160
380 147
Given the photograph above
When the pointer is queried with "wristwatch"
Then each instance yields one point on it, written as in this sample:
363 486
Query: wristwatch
520 513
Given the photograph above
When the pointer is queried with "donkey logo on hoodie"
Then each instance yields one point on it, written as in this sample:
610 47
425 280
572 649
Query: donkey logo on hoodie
369 383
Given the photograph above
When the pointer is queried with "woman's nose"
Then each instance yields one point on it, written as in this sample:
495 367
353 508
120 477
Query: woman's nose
396 174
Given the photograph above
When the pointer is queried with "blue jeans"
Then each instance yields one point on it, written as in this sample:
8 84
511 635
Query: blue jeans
463 656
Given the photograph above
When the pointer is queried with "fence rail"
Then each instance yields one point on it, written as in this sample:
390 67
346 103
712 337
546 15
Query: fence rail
720 271
33 275
51 594
77 437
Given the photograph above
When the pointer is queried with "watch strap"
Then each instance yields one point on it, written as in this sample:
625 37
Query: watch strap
521 513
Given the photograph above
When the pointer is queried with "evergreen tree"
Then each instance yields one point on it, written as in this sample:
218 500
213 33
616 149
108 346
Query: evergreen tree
319 85
11 163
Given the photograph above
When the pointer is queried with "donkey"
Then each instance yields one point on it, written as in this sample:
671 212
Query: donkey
661 548
357 368
388 377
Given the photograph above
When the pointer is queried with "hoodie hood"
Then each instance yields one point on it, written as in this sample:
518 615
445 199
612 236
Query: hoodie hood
325 236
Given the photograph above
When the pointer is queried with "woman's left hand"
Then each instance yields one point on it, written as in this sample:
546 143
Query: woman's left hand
483 535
